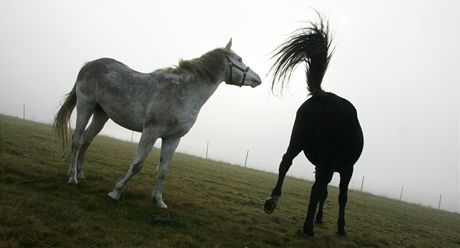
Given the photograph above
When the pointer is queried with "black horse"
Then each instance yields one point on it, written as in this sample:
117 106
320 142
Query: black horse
326 127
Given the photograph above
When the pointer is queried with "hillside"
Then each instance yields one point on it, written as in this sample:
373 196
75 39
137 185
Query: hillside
211 204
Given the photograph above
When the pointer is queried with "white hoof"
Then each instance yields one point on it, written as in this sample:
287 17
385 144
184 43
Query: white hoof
160 204
72 180
114 195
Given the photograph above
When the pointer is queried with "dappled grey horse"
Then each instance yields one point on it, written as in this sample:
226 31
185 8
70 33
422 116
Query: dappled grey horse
162 104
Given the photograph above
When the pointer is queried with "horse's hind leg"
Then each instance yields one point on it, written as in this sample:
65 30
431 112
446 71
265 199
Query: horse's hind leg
97 123
84 112
319 215
345 178
323 177
168 147
148 138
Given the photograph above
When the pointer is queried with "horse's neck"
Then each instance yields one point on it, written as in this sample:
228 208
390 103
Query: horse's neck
199 90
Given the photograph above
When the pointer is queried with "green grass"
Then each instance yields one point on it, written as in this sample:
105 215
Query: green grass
211 204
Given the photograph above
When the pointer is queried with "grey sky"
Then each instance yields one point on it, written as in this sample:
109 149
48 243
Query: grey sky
396 61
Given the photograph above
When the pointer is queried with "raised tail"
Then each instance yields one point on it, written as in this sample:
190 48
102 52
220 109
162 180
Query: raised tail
310 45
61 121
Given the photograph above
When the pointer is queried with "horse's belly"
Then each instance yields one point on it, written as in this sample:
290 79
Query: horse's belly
124 115
128 123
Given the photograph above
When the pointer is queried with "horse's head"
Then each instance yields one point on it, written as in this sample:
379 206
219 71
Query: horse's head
238 73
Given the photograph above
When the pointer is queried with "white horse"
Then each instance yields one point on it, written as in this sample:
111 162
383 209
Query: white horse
162 104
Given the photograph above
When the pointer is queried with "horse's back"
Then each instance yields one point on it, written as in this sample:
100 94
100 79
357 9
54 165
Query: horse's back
106 77
130 98
332 133
97 69
117 89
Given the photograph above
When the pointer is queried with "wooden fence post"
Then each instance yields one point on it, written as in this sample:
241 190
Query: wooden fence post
246 160
400 194
439 204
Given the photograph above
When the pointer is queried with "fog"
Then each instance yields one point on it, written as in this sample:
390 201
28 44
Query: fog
396 61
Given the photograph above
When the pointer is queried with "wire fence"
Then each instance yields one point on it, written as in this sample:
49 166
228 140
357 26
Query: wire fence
405 193
258 161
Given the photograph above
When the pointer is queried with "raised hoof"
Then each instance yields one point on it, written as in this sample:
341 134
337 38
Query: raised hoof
269 205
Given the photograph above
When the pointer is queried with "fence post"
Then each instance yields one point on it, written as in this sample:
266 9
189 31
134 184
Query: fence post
246 160
362 183
24 111
132 133
439 205
207 148
400 194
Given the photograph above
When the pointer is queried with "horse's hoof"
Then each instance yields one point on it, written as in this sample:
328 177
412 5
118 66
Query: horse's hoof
111 200
72 180
307 235
308 232
81 175
112 197
341 233
161 204
269 205
319 222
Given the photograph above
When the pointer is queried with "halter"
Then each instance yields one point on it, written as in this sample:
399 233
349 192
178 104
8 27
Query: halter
243 70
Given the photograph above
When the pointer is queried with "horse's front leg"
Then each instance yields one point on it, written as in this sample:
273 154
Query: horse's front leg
294 148
168 147
148 138
319 214
270 203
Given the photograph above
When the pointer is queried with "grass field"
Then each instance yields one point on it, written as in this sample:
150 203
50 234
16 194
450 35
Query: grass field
211 204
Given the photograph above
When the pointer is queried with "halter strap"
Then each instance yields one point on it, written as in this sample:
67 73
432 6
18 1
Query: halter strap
243 70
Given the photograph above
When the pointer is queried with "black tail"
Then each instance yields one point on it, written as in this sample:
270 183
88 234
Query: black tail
310 45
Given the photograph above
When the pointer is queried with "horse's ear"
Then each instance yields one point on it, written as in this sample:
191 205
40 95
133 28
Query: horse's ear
229 45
